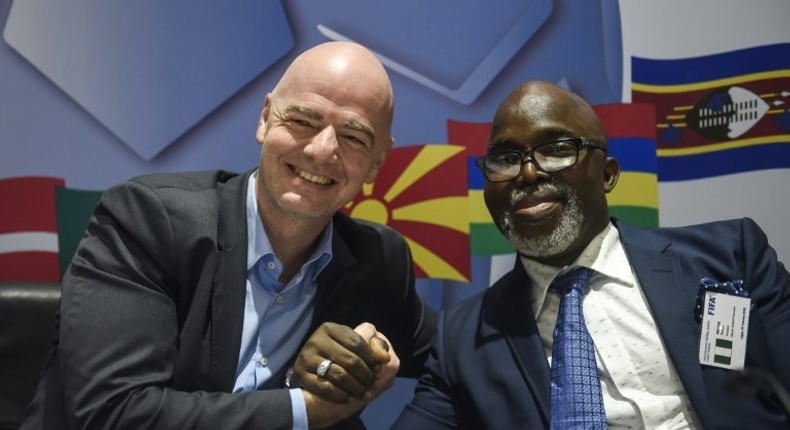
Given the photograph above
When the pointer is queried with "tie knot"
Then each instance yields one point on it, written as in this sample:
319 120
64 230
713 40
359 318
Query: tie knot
577 279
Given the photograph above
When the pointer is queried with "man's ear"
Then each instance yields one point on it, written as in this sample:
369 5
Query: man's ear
611 173
375 167
260 133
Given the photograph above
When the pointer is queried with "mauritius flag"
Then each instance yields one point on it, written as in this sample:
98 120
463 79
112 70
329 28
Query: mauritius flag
484 237
631 132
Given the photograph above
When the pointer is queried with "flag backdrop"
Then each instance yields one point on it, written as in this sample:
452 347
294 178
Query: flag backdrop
630 128
696 74
718 114
28 229
484 237
421 193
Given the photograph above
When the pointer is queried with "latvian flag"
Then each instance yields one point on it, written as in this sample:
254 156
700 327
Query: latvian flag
28 230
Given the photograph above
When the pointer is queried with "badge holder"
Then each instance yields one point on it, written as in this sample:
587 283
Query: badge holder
722 310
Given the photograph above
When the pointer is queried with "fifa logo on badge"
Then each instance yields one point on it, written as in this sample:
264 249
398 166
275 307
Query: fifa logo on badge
711 305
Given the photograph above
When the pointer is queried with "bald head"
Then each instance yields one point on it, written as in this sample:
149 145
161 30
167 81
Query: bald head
344 65
325 131
545 105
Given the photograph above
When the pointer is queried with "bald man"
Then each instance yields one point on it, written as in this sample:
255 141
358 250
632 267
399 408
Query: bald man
218 300
493 364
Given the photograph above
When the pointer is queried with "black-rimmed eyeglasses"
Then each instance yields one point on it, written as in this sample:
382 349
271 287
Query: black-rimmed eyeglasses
549 157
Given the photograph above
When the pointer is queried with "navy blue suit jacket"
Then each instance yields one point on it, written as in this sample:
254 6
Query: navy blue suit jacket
487 368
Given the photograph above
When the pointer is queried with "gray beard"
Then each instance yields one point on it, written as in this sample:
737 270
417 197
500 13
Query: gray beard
560 238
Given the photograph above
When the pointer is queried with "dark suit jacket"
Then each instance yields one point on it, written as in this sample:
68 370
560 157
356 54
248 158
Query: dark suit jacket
152 310
487 368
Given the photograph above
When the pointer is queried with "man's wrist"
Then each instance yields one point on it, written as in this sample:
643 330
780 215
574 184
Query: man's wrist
298 409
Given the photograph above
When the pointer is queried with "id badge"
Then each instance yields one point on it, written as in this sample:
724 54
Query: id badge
724 325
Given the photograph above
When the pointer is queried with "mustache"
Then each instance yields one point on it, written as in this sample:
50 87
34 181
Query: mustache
516 196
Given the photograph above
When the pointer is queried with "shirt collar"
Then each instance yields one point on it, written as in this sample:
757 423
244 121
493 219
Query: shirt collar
258 245
604 254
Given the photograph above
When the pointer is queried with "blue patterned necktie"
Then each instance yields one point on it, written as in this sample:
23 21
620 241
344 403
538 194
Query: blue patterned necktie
576 399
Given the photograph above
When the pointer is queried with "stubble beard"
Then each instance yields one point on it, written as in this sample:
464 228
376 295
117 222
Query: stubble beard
559 239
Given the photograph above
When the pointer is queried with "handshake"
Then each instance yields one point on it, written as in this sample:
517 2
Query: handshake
340 370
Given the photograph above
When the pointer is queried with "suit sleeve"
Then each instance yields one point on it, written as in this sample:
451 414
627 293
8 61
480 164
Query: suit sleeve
119 332
769 283
432 404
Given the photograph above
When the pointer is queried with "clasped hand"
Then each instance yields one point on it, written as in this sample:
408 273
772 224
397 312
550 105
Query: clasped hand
363 365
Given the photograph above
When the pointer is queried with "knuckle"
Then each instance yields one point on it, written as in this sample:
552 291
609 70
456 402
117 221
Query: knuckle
324 390
356 340
355 361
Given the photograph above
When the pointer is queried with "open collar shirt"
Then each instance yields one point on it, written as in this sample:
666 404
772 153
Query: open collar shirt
277 315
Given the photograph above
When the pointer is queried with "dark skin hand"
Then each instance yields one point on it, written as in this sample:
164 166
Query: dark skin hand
354 363
322 412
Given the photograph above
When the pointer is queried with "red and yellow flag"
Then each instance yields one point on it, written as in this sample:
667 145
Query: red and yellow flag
421 193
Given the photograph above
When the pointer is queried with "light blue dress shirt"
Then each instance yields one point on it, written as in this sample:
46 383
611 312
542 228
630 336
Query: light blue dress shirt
277 316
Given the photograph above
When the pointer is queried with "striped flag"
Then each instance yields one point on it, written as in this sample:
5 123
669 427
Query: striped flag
631 133
722 351
718 114
421 192
28 229
484 236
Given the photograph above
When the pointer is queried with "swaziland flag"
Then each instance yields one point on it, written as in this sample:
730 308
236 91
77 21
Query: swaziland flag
718 114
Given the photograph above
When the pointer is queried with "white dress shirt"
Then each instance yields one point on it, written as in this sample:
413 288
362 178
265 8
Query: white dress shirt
641 388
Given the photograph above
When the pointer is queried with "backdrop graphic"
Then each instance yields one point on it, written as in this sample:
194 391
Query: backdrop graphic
92 94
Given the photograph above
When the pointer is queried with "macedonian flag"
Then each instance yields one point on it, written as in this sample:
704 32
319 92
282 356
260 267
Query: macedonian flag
421 192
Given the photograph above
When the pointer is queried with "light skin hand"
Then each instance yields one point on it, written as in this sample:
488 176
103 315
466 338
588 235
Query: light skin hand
322 412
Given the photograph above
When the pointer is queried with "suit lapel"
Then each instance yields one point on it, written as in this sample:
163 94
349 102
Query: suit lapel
333 275
671 298
509 310
228 293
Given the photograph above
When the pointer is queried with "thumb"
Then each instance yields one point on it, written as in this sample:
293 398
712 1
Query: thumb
366 330
381 348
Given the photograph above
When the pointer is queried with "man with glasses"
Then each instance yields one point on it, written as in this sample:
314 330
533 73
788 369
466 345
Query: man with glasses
642 297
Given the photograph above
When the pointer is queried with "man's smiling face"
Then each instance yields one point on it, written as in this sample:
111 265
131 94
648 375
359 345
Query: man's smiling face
322 137
550 217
